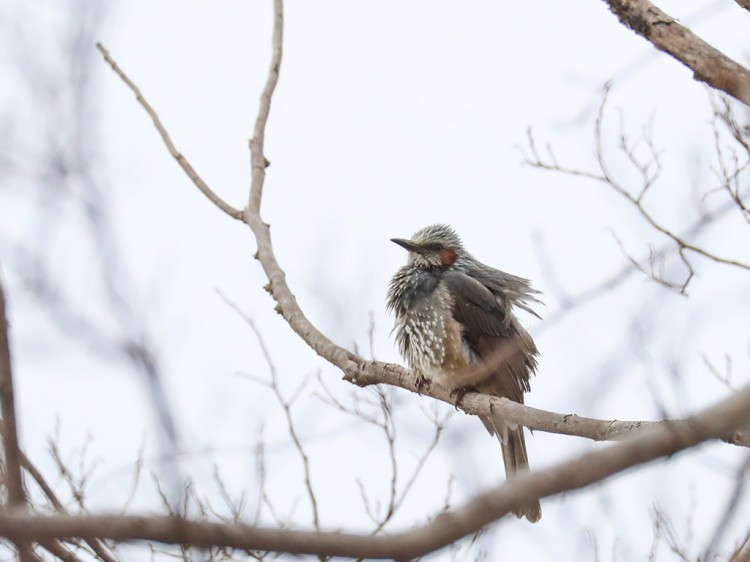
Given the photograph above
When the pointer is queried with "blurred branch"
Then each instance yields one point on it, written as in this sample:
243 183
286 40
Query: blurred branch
664 529
742 552
13 477
446 528
730 511
96 545
181 160
707 63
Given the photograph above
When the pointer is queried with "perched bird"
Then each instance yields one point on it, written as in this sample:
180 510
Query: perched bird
455 325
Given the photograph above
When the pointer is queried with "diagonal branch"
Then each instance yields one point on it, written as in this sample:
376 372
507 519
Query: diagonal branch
658 442
538 420
177 155
707 63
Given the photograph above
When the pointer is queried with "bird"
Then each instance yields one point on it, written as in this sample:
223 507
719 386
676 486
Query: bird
455 325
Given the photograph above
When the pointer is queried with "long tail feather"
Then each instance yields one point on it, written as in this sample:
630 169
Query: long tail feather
513 445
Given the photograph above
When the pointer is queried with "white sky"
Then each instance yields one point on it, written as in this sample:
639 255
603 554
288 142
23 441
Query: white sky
388 116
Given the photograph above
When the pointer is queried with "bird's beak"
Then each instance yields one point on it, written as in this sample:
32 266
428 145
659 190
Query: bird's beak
409 245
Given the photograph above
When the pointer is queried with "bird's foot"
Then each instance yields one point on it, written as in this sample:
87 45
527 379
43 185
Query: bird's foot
422 384
458 394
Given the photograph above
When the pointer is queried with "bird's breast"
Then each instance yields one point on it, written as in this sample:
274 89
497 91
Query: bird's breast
430 339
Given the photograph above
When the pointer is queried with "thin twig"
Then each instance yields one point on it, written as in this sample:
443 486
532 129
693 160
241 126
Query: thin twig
96 545
57 549
286 405
648 178
177 155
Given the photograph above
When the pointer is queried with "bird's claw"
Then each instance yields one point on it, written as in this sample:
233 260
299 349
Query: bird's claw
422 384
458 394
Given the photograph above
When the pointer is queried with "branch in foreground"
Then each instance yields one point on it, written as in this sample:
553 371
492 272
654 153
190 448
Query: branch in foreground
707 63
446 528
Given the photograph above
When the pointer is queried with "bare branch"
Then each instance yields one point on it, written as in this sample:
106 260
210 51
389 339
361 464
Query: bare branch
731 509
729 176
742 552
649 172
708 64
539 420
286 304
286 405
258 161
446 528
56 548
663 527
13 476
96 545
181 160
14 482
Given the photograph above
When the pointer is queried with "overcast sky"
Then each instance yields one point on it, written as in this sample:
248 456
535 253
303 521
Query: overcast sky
388 116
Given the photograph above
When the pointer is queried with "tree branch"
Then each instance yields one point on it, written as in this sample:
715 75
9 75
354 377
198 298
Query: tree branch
13 476
707 63
603 175
656 442
177 155
374 372
13 479
96 545
286 303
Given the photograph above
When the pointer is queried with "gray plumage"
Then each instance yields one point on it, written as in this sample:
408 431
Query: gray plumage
455 325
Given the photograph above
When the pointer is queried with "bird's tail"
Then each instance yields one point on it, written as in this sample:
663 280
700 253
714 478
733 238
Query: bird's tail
513 444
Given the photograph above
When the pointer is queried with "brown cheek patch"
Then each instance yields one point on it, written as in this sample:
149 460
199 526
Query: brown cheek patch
448 257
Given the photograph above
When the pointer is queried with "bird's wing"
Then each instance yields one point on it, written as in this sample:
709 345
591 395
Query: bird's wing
476 307
510 289
494 335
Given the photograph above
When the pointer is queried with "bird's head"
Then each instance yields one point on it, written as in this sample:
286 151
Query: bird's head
436 246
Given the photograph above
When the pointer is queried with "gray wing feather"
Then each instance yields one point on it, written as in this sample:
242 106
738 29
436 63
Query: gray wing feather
476 306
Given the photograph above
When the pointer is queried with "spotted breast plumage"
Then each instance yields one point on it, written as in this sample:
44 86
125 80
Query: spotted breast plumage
455 325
